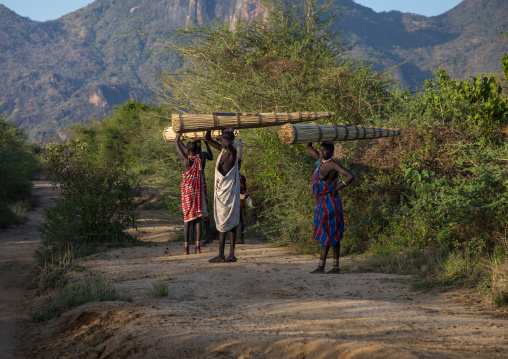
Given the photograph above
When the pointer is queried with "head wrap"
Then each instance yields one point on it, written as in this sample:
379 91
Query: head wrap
227 132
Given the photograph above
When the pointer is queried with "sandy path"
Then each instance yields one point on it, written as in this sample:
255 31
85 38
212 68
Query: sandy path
266 305
17 246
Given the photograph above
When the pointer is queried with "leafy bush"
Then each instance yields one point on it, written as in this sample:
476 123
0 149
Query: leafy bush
122 138
18 166
97 201
474 106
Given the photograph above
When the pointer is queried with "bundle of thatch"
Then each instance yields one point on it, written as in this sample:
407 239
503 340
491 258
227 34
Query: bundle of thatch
169 135
292 134
217 121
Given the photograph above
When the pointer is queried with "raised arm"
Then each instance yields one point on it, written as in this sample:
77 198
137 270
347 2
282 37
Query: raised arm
312 151
213 143
208 154
180 148
184 149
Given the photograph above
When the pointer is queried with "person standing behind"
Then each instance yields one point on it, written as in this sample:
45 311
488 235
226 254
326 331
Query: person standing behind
192 187
207 155
328 214
243 198
226 201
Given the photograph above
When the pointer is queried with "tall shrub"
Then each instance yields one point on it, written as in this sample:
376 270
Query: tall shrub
96 204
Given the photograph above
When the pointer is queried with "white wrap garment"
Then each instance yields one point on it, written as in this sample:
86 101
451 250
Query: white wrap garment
226 198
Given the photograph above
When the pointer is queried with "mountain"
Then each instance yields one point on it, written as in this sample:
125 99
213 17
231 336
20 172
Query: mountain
76 68
464 38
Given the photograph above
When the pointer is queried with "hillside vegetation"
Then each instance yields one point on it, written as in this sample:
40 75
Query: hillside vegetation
77 68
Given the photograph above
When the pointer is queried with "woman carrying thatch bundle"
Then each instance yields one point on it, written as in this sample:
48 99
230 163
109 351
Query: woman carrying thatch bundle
328 214
243 199
193 194
226 201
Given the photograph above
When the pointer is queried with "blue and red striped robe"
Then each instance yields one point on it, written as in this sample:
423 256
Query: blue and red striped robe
328 215
193 191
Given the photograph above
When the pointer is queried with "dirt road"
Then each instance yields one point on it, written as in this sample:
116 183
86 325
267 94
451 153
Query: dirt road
267 305
17 246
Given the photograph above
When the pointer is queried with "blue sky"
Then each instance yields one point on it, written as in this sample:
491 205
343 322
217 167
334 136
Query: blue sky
42 10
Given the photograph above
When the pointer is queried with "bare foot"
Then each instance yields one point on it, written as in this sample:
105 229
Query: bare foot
319 270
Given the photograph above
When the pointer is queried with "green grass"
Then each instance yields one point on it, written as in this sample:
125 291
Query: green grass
160 289
90 290
499 281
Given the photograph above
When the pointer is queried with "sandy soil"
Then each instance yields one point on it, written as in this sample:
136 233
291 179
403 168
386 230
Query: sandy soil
17 265
267 305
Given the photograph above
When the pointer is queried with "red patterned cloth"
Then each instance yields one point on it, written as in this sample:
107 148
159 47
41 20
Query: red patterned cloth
328 214
242 192
193 195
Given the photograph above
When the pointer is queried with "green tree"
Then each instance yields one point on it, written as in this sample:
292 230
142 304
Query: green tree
18 166
131 137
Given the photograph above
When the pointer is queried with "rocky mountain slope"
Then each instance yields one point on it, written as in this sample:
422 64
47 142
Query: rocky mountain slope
77 68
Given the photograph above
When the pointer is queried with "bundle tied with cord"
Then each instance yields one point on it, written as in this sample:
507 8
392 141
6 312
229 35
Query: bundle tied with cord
169 135
184 123
303 133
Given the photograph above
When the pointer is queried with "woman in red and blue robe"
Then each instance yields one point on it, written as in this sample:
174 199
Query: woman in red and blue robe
328 214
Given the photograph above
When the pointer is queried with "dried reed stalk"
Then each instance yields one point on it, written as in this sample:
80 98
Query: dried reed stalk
218 121
292 134
169 135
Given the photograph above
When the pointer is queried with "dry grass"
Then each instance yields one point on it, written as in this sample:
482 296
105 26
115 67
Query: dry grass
499 281
292 134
